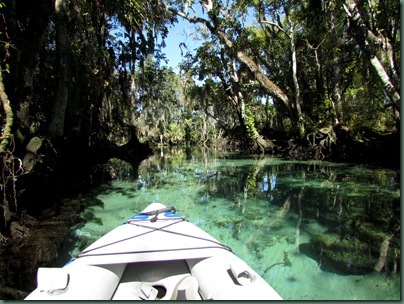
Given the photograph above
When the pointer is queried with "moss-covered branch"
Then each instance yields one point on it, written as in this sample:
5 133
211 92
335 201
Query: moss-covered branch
6 131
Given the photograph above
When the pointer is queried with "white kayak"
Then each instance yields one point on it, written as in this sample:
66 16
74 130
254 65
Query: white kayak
155 255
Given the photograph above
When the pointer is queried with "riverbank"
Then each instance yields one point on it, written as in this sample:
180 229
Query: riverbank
35 243
339 144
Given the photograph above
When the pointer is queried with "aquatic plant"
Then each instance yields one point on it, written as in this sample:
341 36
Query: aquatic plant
89 216
285 262
291 278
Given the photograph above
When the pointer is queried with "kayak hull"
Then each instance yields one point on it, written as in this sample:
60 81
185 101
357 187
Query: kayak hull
154 256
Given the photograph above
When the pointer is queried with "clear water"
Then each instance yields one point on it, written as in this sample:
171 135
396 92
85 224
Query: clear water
267 210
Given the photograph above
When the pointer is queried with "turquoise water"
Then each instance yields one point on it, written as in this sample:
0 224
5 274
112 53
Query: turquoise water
313 230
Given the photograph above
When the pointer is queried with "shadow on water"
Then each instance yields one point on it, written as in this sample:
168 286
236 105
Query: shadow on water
277 214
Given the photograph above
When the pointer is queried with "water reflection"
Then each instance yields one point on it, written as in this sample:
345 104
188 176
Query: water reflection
294 222
358 206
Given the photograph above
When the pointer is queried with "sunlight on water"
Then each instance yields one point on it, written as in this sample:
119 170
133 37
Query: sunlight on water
313 230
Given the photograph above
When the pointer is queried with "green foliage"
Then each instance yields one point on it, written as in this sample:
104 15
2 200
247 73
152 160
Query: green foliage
250 124
364 108
175 134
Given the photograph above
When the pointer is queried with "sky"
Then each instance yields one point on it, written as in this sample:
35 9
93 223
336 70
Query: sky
182 31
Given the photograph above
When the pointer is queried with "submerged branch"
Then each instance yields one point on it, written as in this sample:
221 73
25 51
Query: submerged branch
285 262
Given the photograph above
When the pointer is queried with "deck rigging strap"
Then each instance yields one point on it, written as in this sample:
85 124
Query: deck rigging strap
183 234
152 229
128 238
152 251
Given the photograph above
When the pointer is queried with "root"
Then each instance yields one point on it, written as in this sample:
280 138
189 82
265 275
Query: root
320 142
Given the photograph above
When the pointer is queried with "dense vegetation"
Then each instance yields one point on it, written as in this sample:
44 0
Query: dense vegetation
84 81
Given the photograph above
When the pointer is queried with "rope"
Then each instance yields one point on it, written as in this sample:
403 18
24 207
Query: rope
153 229
151 251
128 238
186 235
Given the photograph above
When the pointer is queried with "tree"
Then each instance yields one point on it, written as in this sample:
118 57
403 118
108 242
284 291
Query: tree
224 28
324 84
63 86
376 35
288 27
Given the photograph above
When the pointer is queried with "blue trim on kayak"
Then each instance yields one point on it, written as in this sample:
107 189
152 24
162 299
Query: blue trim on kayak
171 214
140 216
143 216
70 261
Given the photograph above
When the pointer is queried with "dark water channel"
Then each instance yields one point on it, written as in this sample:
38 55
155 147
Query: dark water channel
313 230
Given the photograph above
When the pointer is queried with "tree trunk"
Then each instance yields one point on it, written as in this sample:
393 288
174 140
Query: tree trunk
264 81
255 140
391 92
336 96
56 126
300 117
246 118
6 132
298 101
25 26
